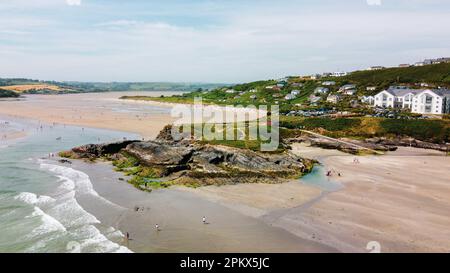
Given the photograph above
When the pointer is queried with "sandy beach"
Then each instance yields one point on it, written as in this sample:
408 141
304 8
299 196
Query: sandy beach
8 132
97 110
400 200
179 214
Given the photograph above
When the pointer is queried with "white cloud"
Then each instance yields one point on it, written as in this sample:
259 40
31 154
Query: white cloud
73 2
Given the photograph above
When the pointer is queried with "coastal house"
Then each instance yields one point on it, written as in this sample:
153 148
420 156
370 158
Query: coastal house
230 91
420 101
329 83
253 97
384 99
313 99
368 100
371 88
339 74
349 92
374 68
333 98
404 65
321 90
429 101
297 84
347 87
419 64
289 97
295 92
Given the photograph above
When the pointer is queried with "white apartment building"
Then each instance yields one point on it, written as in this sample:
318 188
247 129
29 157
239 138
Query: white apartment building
435 102
420 101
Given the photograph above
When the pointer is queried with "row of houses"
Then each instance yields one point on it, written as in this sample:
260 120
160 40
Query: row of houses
419 101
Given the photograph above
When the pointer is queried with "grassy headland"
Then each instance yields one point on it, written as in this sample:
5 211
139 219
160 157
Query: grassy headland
8 94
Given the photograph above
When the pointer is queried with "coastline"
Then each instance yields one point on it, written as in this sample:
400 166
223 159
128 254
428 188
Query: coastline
179 214
389 199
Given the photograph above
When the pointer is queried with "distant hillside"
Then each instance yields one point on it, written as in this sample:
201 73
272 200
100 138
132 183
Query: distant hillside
438 75
8 94
29 86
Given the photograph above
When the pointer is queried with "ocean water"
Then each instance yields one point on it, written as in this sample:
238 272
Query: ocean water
39 211
318 178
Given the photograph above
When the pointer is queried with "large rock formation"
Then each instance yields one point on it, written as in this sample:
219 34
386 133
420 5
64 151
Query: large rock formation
195 164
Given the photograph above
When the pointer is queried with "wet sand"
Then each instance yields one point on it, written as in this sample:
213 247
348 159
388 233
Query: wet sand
179 214
8 132
97 110
401 200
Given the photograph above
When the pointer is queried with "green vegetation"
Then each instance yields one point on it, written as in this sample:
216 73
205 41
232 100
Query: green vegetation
438 75
8 94
142 177
436 131
84 87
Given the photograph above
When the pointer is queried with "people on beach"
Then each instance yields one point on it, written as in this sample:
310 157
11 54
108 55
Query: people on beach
204 220
128 236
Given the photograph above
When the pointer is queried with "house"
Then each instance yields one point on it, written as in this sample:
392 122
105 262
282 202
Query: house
436 102
230 91
327 74
368 100
395 97
315 76
273 87
321 90
371 88
289 97
297 84
329 83
339 74
419 64
333 98
295 92
314 99
374 68
347 87
252 91
384 99
280 85
349 92
404 65
420 101
253 97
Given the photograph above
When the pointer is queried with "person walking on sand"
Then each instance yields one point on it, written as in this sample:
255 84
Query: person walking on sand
204 220
157 227
128 236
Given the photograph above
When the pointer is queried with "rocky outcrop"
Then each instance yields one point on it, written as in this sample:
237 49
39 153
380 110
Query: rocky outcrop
408 142
98 150
196 164
344 145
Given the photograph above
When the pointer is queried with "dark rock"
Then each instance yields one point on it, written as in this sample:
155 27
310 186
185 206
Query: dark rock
97 150
153 153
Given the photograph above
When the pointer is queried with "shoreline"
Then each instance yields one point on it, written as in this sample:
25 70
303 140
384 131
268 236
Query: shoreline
178 212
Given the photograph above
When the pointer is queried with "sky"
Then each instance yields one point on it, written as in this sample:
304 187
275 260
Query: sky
223 41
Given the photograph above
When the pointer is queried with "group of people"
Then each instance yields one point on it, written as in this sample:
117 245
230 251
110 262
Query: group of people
331 172
157 228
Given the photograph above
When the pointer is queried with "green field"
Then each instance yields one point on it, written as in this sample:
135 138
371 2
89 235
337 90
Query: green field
436 131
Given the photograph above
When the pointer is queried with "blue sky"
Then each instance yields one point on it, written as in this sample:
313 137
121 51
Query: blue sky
214 40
